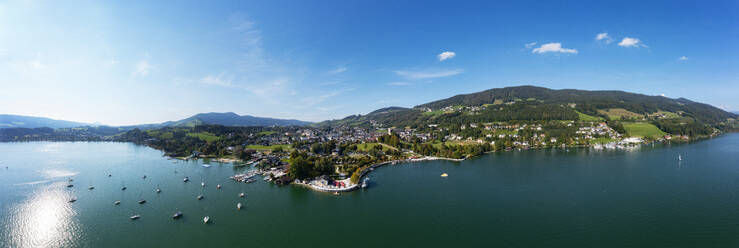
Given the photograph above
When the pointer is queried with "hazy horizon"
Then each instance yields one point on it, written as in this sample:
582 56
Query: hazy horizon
243 114
150 62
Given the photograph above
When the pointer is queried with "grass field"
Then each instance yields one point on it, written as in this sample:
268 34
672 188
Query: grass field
161 135
266 133
435 112
666 114
258 147
603 140
618 113
643 130
584 117
204 136
369 146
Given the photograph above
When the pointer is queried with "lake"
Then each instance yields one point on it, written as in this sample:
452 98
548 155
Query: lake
577 197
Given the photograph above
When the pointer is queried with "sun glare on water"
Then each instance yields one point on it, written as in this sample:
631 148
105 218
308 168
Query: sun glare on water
44 220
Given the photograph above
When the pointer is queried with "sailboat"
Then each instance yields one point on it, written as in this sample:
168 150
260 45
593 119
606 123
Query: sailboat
206 219
679 157
238 206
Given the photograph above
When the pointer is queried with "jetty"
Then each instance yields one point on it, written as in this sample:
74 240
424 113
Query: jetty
246 176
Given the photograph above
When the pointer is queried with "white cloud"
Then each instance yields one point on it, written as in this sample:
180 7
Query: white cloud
216 80
631 42
530 45
553 48
446 55
683 58
330 83
142 68
398 83
313 100
427 74
337 70
603 37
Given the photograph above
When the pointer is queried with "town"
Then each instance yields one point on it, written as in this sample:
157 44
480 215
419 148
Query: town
335 158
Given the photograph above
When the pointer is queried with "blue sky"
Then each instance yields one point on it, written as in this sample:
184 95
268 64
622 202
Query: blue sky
153 61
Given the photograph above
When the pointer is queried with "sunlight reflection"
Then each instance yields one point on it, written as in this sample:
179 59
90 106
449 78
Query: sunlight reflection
45 219
53 173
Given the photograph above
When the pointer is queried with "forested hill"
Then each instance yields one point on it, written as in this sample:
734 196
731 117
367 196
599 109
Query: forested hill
20 121
233 119
586 101
531 103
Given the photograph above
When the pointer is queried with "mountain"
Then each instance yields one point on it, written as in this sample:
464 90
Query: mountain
20 121
531 103
232 119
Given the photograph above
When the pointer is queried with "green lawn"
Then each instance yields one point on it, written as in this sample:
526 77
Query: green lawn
619 113
435 112
603 141
364 147
584 117
266 132
161 135
666 114
258 147
643 130
205 136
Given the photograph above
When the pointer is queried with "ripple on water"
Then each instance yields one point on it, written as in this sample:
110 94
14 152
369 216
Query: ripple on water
45 219
57 173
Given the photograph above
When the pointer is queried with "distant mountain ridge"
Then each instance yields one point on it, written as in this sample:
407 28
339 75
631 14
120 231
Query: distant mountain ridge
531 103
21 121
233 119
225 119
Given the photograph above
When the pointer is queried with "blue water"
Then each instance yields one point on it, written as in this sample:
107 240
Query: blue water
534 198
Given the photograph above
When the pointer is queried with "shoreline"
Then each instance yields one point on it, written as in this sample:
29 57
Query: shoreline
369 169
355 186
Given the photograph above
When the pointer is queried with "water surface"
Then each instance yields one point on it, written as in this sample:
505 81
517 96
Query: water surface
534 198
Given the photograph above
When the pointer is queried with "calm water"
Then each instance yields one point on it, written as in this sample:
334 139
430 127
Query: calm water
535 198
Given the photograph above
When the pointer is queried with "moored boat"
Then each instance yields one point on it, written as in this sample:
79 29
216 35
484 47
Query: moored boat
177 215
142 201
206 219
200 197
242 194
116 202
134 217
238 206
